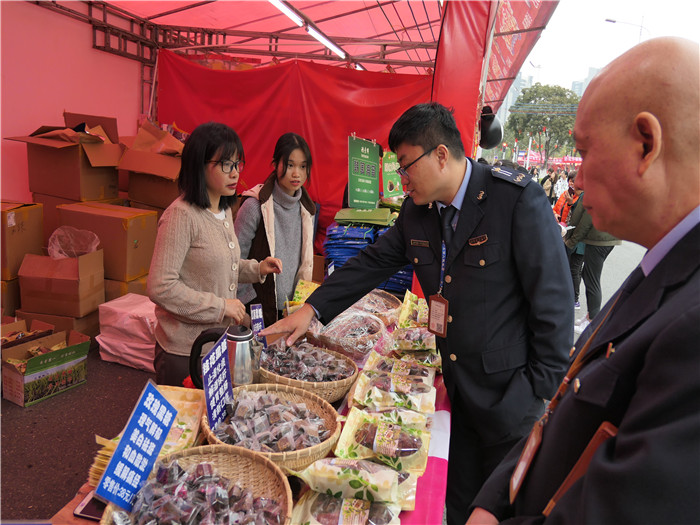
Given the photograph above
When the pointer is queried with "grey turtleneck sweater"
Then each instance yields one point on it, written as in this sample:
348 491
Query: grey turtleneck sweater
287 240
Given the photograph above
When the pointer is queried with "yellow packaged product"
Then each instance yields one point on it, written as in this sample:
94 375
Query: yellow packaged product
392 365
365 436
377 390
314 508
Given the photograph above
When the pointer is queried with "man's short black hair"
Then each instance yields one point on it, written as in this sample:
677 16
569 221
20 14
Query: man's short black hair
427 125
208 142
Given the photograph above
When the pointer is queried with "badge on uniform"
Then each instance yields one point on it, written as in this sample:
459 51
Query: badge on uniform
476 241
437 315
421 243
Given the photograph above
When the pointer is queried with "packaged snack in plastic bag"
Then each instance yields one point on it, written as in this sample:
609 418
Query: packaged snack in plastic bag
413 311
380 390
392 365
352 333
314 508
414 338
382 304
430 358
364 436
352 478
402 416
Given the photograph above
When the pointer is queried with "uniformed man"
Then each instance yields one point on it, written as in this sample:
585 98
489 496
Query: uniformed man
499 272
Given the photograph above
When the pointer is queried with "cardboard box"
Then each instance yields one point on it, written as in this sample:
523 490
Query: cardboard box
115 289
36 330
152 177
73 287
22 227
51 219
127 235
9 300
48 374
79 171
143 206
88 325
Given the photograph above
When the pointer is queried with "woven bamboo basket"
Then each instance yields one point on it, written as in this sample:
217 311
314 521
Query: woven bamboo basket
329 390
297 459
248 469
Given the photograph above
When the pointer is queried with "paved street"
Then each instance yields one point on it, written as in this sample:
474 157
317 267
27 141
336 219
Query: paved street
619 264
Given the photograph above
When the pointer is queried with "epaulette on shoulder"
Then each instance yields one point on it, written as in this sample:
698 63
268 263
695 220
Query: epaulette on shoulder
514 176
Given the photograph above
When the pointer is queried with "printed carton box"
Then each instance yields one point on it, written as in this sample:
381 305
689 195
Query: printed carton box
15 333
88 325
22 227
72 286
28 379
127 235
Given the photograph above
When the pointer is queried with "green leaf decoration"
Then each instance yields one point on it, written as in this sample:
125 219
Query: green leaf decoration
356 484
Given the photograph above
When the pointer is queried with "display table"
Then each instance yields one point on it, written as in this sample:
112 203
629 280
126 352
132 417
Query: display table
431 488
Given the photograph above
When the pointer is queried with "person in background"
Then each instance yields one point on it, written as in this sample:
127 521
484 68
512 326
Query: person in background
276 218
566 200
562 183
509 320
547 183
196 264
637 383
598 246
575 251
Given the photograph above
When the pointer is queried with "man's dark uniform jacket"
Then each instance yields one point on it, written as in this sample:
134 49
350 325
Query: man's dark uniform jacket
648 385
509 289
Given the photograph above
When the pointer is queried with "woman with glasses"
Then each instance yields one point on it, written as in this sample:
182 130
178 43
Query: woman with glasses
197 265
276 218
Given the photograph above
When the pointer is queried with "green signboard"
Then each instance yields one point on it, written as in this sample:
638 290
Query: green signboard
363 173
391 181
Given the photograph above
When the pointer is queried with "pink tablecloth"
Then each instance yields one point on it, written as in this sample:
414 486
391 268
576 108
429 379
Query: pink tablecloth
430 493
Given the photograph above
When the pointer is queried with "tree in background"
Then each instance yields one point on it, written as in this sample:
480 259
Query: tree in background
547 114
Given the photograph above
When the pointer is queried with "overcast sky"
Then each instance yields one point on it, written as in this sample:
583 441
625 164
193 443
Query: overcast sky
578 37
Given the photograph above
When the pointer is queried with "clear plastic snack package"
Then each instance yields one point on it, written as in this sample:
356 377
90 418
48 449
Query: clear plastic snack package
361 479
393 365
413 311
353 333
414 338
430 358
382 304
377 390
404 417
365 436
314 508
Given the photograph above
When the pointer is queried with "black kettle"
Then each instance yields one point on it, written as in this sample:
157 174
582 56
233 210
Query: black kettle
243 354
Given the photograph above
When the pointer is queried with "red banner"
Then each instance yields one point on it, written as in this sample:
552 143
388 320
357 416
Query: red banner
324 104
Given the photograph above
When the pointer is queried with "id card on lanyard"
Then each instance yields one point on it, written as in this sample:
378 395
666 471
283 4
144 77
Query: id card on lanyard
438 306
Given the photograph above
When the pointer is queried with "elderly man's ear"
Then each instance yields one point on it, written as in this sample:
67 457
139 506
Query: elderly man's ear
647 130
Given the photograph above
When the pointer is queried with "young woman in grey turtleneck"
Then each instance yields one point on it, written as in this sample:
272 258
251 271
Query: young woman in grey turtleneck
276 217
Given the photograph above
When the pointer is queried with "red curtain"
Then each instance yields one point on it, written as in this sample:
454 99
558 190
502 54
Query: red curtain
458 64
324 104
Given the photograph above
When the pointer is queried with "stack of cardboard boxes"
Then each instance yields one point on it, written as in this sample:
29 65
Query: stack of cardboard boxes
75 177
22 227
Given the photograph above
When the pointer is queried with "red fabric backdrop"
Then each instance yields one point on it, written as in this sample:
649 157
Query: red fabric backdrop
324 104
458 64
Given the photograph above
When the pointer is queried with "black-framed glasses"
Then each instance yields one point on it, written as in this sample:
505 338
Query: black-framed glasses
227 166
402 170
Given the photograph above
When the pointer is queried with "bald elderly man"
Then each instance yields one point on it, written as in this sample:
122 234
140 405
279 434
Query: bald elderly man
620 443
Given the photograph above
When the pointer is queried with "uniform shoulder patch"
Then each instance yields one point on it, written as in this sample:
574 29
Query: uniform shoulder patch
514 176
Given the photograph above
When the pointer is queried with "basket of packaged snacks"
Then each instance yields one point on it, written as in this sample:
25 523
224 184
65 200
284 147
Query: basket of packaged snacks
323 372
216 483
290 426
